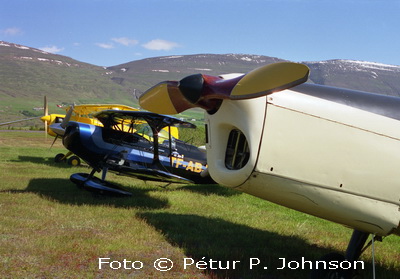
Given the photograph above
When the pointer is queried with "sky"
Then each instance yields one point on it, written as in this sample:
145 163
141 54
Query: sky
112 32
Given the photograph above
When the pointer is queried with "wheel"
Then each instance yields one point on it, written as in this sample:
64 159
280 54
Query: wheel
337 273
74 161
59 158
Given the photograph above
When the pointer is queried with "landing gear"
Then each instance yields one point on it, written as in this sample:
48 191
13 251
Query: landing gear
72 161
59 158
353 252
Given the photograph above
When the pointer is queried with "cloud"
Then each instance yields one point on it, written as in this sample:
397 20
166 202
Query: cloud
13 31
104 45
52 49
159 44
125 41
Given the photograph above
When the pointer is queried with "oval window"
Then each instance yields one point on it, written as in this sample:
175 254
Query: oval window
237 151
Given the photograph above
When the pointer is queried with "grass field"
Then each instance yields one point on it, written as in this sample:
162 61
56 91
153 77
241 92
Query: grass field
49 228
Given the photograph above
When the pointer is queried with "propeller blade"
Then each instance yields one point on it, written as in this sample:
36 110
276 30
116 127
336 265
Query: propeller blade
54 141
165 98
22 120
207 92
46 106
46 113
17 121
268 79
67 117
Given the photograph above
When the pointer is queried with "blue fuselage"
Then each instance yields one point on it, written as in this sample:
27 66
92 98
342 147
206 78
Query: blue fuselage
101 147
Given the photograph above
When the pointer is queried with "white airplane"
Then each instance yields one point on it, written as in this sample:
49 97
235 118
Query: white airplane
330 152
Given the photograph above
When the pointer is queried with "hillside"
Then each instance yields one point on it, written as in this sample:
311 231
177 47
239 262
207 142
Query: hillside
142 74
358 75
27 74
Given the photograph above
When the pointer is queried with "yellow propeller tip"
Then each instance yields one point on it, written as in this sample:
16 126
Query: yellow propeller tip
157 99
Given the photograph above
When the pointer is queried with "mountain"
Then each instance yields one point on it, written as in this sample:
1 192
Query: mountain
357 75
142 74
27 74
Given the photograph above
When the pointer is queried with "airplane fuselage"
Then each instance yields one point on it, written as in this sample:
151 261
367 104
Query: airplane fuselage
128 152
329 152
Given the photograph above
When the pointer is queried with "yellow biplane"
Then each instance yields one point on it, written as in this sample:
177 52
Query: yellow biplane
54 123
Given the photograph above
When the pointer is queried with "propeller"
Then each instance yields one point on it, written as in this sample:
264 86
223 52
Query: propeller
17 121
54 141
67 117
45 118
208 92
46 113
59 128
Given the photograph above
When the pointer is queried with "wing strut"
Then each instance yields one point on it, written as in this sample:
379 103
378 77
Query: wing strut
170 145
156 157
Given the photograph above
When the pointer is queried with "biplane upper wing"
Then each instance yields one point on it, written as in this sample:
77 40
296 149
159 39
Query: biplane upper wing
89 109
110 118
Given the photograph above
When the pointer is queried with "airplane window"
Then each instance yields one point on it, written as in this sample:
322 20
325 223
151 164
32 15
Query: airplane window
144 130
59 119
163 135
237 151
163 138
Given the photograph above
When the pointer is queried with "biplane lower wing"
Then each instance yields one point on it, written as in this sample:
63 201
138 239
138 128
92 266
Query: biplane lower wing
96 185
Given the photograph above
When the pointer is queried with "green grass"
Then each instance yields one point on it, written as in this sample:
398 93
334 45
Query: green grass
196 137
49 228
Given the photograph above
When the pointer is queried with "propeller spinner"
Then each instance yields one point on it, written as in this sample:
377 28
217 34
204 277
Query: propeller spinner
207 92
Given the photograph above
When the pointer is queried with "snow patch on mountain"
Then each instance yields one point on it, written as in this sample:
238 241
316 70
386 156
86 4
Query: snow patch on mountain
40 59
161 71
171 57
359 65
